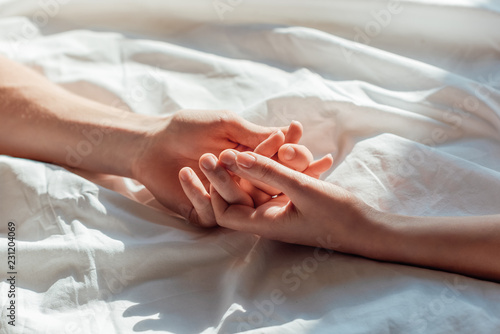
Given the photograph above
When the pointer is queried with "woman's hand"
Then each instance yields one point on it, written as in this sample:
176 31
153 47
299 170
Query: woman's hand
253 193
317 213
309 212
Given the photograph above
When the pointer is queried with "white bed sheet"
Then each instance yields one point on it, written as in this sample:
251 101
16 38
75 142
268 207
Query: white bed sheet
411 114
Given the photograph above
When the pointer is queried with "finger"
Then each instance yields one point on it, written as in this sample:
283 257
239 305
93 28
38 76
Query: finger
260 190
228 160
201 212
249 134
222 181
265 221
267 148
258 195
295 156
238 217
254 167
294 133
320 166
270 146
242 148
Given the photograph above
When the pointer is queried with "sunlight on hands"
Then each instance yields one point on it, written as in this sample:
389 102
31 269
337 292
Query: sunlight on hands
217 170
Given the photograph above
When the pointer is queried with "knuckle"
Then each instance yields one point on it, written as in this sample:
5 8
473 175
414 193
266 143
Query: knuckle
225 116
266 170
221 176
186 210
302 181
199 199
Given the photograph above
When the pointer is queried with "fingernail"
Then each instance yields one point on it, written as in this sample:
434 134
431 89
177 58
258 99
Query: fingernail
208 162
245 160
186 175
228 158
289 153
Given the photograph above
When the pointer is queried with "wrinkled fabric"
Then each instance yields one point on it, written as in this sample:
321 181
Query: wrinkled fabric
404 94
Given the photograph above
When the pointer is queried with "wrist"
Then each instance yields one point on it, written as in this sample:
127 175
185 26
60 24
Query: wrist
114 143
150 136
377 233
128 140
387 240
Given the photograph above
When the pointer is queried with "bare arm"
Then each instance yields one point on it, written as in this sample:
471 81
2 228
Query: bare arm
469 245
316 213
39 120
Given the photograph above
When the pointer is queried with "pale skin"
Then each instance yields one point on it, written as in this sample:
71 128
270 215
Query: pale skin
40 120
317 213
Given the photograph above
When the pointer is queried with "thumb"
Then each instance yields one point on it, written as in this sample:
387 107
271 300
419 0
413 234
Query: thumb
249 134
255 167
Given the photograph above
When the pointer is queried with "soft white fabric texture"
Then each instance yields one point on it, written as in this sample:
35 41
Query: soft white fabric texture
405 95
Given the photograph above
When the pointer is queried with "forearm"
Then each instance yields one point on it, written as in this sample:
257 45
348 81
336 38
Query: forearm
466 245
41 121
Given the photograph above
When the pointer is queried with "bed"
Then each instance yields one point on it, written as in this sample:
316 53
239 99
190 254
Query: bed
404 94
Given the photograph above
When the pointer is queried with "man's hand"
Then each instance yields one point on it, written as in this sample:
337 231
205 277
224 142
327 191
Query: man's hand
180 141
42 121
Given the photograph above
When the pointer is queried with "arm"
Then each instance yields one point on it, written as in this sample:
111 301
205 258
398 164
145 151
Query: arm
469 245
317 213
42 121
